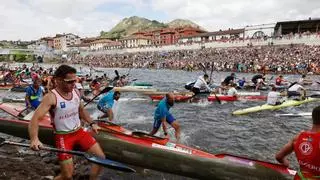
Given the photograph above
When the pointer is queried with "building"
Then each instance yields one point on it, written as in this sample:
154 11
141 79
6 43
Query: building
168 36
259 31
136 41
297 27
62 41
225 35
77 48
104 44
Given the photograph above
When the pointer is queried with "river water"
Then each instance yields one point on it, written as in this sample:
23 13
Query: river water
207 125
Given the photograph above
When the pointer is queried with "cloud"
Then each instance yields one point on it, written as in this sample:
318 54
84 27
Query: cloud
220 14
32 19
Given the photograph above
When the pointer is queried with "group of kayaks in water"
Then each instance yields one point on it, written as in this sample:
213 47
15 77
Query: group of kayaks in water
139 148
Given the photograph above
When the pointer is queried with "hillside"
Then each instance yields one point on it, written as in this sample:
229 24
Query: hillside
182 23
134 24
131 25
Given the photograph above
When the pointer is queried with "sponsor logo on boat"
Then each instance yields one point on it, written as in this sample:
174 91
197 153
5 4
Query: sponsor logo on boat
176 149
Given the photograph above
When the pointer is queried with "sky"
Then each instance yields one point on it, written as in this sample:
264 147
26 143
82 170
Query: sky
33 19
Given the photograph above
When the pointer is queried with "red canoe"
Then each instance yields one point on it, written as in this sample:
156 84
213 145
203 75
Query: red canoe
141 149
234 98
177 98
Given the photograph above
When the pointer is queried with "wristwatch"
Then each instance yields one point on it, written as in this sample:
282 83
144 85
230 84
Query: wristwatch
92 123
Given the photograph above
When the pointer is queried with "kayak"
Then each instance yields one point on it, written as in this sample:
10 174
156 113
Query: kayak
177 97
141 84
13 88
235 98
13 100
304 114
285 104
141 149
134 89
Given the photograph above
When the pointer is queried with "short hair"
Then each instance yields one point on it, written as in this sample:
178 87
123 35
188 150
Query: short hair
316 115
63 70
205 75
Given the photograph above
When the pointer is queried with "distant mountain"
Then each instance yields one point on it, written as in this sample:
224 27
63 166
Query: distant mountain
182 23
134 24
131 25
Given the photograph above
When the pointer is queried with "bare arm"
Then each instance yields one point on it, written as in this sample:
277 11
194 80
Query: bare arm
84 115
27 99
287 149
40 112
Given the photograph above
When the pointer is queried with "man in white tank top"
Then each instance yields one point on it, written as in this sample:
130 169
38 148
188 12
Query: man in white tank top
66 111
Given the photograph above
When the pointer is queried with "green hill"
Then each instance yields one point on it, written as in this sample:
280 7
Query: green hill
134 24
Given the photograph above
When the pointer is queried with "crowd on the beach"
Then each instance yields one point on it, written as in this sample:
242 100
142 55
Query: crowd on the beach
273 59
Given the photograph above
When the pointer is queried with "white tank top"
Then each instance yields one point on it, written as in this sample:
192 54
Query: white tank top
65 115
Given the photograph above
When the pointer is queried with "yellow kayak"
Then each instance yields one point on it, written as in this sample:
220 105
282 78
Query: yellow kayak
285 104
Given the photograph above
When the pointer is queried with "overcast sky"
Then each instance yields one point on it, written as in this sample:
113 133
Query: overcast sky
32 19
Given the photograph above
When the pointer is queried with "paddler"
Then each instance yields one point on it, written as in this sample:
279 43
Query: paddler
106 103
232 91
241 83
274 97
34 93
230 79
95 87
259 80
304 80
162 116
306 146
296 90
280 81
201 85
66 111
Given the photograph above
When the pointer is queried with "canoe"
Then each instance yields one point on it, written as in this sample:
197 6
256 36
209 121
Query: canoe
234 98
177 97
13 88
304 114
13 100
141 84
134 89
263 107
141 149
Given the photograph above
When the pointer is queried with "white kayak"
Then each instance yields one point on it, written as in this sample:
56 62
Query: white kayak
304 114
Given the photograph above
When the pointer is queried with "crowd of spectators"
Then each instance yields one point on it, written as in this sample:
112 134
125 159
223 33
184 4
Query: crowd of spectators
273 59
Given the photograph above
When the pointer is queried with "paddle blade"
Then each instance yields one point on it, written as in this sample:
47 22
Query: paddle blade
108 163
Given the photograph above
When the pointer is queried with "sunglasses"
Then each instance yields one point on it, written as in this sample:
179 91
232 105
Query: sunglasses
69 81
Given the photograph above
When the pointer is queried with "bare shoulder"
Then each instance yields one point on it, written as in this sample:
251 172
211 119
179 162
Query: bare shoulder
50 98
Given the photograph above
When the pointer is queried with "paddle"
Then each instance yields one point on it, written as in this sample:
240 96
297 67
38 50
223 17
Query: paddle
93 159
217 98
277 167
106 89
204 69
210 78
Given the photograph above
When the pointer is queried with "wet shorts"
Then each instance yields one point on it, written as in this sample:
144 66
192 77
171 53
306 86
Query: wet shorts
104 108
157 122
80 138
293 94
